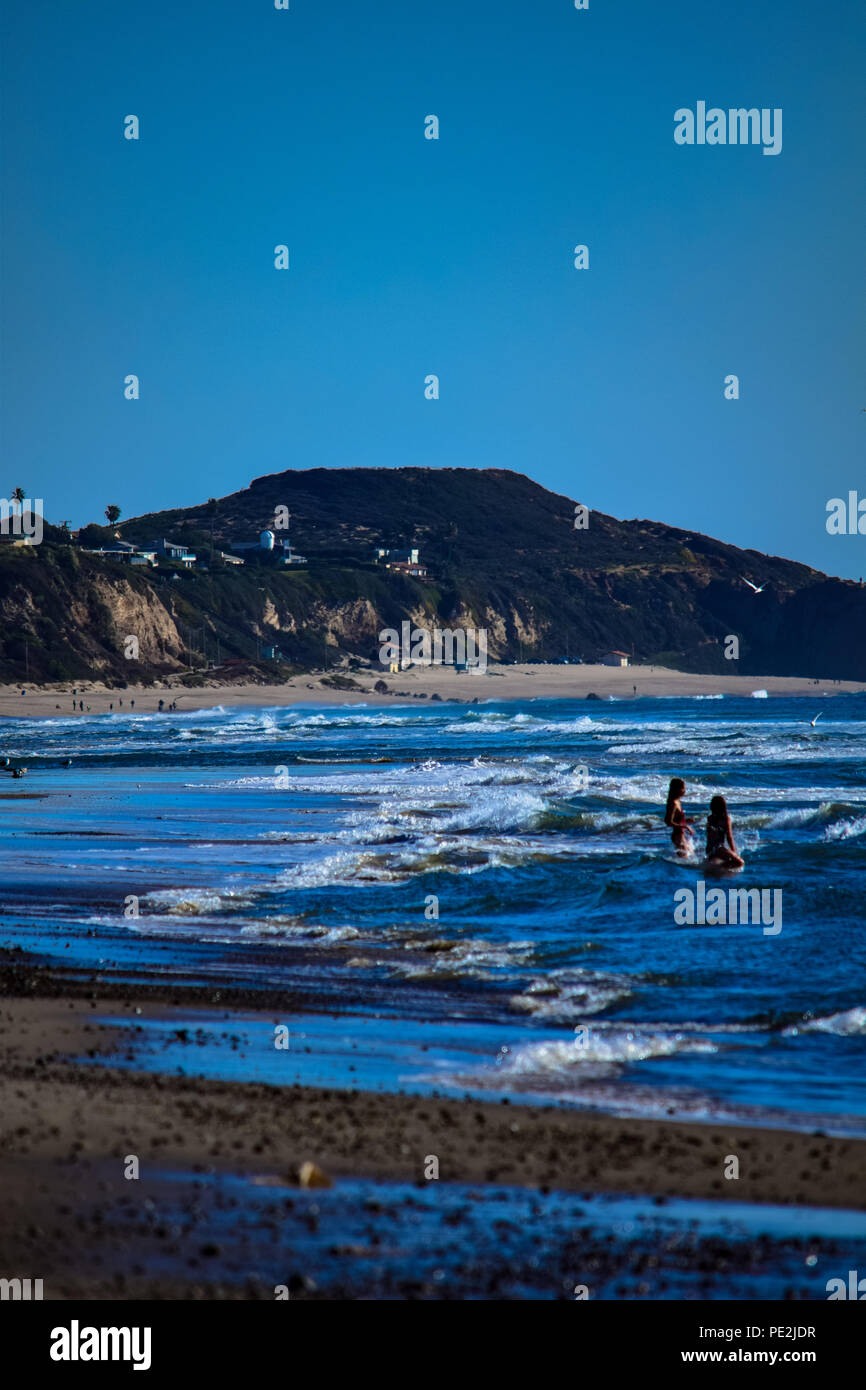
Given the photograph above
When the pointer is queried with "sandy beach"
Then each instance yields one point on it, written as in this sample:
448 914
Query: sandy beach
70 1128
548 682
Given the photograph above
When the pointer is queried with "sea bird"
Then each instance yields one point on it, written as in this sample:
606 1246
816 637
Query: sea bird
754 586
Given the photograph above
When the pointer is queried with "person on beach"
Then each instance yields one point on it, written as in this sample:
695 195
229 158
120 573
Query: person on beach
675 817
721 849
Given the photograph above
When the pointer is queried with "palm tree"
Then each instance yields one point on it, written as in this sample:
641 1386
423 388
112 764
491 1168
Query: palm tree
112 515
18 496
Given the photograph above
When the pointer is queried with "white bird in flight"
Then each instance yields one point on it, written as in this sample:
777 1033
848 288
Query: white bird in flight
754 586
814 721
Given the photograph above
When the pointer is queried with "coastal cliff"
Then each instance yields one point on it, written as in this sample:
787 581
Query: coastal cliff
500 553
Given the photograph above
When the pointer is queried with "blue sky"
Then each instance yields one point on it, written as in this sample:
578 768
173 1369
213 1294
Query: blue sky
452 257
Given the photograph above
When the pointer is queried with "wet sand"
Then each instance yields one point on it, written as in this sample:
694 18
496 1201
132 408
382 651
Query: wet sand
497 683
69 1128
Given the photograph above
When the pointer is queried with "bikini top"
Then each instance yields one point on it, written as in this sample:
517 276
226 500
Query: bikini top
716 833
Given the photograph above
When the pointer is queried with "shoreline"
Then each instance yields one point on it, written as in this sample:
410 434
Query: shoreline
218 1210
432 684
213 1151
102 1106
100 1062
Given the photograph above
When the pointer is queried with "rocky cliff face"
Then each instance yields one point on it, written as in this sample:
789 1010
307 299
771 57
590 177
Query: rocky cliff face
62 616
502 554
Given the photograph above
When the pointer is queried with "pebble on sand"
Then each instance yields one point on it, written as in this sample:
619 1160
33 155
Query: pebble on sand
309 1175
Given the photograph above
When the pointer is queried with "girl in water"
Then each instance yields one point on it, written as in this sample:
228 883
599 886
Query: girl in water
721 849
675 817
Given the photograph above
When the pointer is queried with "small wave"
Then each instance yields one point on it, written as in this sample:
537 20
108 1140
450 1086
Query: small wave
846 829
465 959
279 929
614 1045
557 1067
187 902
835 812
565 995
850 1023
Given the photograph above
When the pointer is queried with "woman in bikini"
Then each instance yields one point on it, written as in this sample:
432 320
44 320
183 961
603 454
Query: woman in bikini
675 817
721 850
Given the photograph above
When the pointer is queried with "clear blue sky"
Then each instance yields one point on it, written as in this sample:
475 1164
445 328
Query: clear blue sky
454 257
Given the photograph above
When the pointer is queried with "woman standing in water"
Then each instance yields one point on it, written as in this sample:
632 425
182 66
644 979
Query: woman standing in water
721 850
675 817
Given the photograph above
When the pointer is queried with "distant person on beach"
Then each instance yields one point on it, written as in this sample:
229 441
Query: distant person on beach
675 817
721 849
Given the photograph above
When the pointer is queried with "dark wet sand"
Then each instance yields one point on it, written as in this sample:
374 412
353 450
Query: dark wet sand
66 1129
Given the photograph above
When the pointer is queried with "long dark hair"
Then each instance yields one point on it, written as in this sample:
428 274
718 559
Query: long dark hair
718 809
675 791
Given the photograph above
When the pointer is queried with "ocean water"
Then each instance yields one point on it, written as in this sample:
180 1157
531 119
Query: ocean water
487 890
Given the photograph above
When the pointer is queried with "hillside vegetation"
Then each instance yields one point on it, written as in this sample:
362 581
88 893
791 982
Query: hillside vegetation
502 554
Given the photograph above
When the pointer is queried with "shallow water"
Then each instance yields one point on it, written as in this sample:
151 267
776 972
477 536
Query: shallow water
313 846
440 1240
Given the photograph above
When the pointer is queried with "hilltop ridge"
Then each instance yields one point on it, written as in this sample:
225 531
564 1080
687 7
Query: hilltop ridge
501 552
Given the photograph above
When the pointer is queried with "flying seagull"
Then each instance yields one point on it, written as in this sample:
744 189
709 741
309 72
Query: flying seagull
814 721
754 586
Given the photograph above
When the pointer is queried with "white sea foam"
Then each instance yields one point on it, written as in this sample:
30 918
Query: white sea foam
571 993
849 1023
465 958
556 1066
189 902
846 829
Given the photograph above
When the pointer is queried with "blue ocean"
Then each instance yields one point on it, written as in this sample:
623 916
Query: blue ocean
473 898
